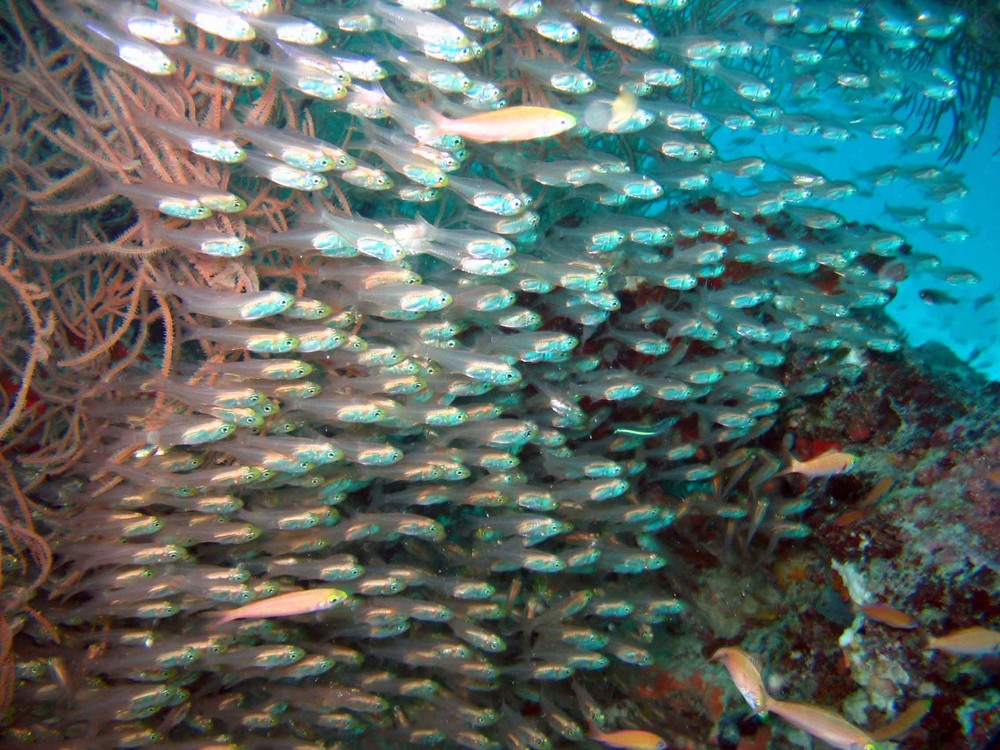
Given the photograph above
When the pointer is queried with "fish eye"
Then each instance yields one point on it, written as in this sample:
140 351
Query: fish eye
300 371
332 455
410 280
342 161
288 342
380 180
226 429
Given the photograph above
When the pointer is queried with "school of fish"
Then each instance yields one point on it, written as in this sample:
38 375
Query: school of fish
466 311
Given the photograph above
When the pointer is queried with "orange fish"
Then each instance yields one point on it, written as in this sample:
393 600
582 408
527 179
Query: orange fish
826 465
887 615
628 739
744 670
823 724
519 123
974 641
877 492
849 517
284 605
905 721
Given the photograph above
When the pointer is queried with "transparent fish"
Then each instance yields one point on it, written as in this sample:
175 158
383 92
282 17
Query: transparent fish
231 305
133 50
213 19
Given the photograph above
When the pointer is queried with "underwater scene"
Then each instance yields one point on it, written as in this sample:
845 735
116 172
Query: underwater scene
499 374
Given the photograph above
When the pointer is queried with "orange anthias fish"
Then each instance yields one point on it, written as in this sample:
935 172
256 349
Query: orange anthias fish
744 670
887 615
826 465
285 605
904 722
973 641
628 739
823 724
519 123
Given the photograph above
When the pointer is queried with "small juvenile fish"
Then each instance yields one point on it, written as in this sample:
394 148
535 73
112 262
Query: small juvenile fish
285 605
220 67
201 141
628 739
974 641
135 51
937 297
261 340
823 724
519 123
230 305
745 671
827 465
287 29
214 20
142 22
207 242
295 149
283 174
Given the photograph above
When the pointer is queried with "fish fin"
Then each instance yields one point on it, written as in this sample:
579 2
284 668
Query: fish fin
594 732
218 618
438 125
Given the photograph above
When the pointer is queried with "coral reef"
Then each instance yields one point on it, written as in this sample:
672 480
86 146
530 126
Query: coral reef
923 544
453 319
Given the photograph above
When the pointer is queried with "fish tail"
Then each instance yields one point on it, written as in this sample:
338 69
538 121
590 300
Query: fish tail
438 123
217 619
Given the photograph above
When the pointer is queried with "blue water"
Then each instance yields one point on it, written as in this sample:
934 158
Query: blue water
969 326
